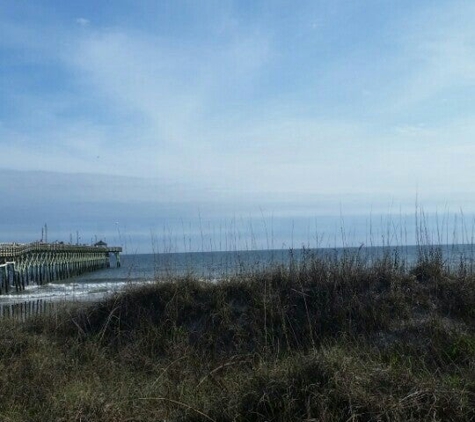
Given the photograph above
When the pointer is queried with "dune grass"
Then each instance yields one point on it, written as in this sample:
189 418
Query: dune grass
321 339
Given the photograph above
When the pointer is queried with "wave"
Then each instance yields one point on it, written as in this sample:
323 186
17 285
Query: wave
70 291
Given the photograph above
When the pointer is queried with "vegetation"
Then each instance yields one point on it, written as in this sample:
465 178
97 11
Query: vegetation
322 339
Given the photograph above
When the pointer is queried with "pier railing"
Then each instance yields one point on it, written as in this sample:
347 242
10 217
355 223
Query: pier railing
12 250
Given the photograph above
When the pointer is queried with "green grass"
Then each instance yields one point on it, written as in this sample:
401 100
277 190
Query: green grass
322 340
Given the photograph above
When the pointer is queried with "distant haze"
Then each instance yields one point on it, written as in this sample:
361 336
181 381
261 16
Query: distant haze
179 125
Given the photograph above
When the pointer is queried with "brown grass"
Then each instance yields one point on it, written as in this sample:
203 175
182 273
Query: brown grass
320 340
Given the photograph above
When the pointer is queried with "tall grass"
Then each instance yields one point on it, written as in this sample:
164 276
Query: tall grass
326 337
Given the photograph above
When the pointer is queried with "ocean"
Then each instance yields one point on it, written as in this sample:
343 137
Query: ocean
212 266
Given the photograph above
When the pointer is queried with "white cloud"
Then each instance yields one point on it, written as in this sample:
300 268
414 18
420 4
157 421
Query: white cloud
166 108
435 54
83 21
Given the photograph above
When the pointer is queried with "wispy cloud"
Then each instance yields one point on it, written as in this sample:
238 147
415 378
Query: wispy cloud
435 55
240 113
83 21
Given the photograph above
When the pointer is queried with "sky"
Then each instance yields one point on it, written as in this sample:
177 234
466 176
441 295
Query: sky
185 125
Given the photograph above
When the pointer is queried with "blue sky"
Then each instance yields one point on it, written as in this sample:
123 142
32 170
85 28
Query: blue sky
183 116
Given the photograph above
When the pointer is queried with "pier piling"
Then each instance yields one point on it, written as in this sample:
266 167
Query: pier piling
40 263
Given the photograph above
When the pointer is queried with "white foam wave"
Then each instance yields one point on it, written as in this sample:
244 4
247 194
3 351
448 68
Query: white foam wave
70 291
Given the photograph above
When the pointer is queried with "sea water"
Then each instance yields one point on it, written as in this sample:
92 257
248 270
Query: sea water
142 269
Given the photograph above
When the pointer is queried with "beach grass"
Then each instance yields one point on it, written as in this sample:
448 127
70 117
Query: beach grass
320 339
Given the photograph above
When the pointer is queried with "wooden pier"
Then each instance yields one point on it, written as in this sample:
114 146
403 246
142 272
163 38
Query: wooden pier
40 263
